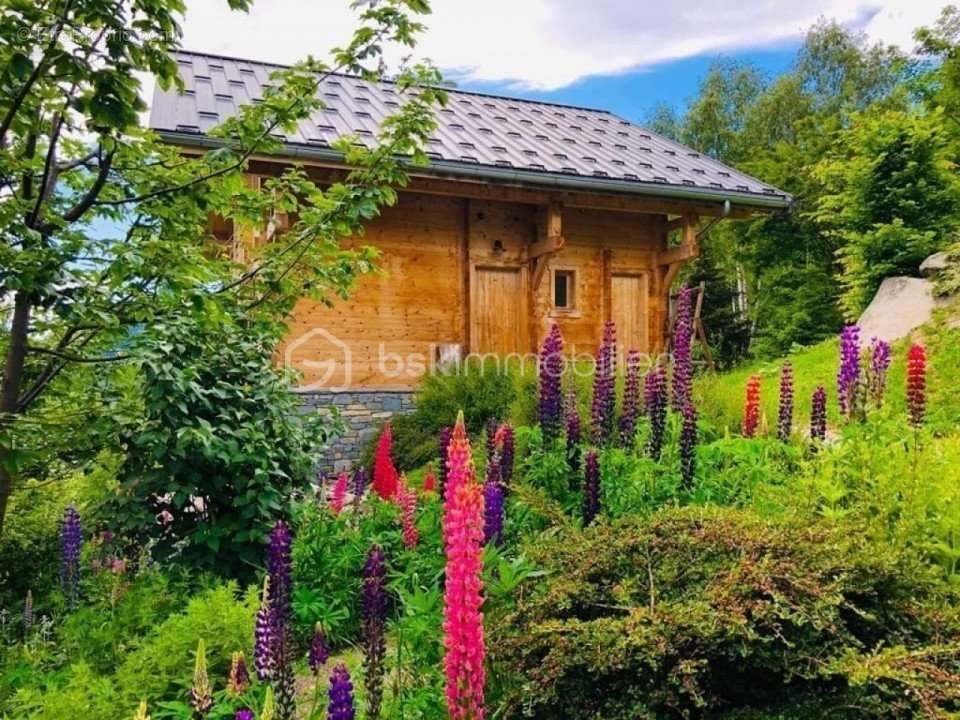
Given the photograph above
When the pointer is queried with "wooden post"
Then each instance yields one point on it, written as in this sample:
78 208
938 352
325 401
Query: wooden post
464 262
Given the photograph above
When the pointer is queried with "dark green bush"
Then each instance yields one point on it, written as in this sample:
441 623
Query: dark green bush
716 613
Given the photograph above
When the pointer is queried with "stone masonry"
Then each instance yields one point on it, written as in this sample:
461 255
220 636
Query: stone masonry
364 411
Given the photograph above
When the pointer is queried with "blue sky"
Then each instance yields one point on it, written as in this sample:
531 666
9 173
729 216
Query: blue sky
633 95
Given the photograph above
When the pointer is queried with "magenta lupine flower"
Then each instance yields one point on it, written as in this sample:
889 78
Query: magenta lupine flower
71 542
551 372
445 433
785 414
574 437
655 394
688 445
631 400
603 410
818 415
682 357
319 652
879 364
263 636
504 443
340 694
848 376
493 512
243 714
373 628
591 487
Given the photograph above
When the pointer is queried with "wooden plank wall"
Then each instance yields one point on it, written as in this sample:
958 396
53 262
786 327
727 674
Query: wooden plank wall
431 246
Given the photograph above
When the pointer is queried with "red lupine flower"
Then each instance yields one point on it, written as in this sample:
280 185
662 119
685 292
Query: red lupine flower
385 475
463 622
917 385
429 481
751 407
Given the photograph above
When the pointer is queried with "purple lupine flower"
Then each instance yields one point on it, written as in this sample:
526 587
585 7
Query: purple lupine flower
359 483
879 364
591 487
263 636
319 652
574 436
655 396
785 413
848 376
490 433
341 695
374 626
505 435
493 512
446 433
551 371
243 714
71 542
818 415
631 400
688 445
682 359
603 410
280 570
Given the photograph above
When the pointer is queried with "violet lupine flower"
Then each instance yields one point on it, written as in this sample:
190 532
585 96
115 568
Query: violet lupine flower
360 481
785 413
263 636
319 652
818 415
340 694
688 445
655 395
631 400
280 589
591 487
879 364
373 627
574 437
490 433
848 376
504 443
446 433
243 714
551 370
493 512
71 542
682 359
238 681
28 612
603 410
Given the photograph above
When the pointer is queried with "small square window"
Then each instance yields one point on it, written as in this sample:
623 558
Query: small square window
563 290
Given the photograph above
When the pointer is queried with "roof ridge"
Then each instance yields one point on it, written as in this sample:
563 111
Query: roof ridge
460 91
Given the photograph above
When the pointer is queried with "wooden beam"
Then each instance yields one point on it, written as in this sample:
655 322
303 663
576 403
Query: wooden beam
549 241
480 190
464 263
679 254
607 274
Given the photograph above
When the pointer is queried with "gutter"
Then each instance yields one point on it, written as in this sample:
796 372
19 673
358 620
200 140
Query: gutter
533 178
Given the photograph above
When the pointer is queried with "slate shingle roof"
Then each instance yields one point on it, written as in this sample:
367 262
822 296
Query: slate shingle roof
537 142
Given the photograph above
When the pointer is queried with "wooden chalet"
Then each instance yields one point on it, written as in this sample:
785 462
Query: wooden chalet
530 213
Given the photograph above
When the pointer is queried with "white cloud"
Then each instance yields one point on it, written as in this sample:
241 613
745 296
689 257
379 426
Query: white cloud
546 44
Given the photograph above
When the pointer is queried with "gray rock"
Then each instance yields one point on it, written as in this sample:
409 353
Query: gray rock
900 306
934 264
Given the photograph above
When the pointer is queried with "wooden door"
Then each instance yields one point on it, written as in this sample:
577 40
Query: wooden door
497 314
628 305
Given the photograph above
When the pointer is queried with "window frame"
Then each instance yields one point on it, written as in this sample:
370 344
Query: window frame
571 308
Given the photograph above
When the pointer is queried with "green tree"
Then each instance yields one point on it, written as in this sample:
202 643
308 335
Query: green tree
73 161
891 198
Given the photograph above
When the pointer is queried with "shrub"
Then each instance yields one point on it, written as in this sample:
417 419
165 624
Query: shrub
701 612
219 450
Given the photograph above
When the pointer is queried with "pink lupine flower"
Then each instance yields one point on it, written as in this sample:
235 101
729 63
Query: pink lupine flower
463 622
407 500
339 493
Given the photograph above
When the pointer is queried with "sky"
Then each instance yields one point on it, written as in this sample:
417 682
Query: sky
619 55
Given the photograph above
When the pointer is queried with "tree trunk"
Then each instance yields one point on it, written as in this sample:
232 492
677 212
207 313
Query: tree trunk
10 390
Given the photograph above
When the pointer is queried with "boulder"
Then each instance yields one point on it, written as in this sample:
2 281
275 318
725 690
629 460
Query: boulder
934 264
901 305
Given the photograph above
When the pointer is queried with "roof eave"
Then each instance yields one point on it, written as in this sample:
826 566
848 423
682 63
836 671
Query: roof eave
533 178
